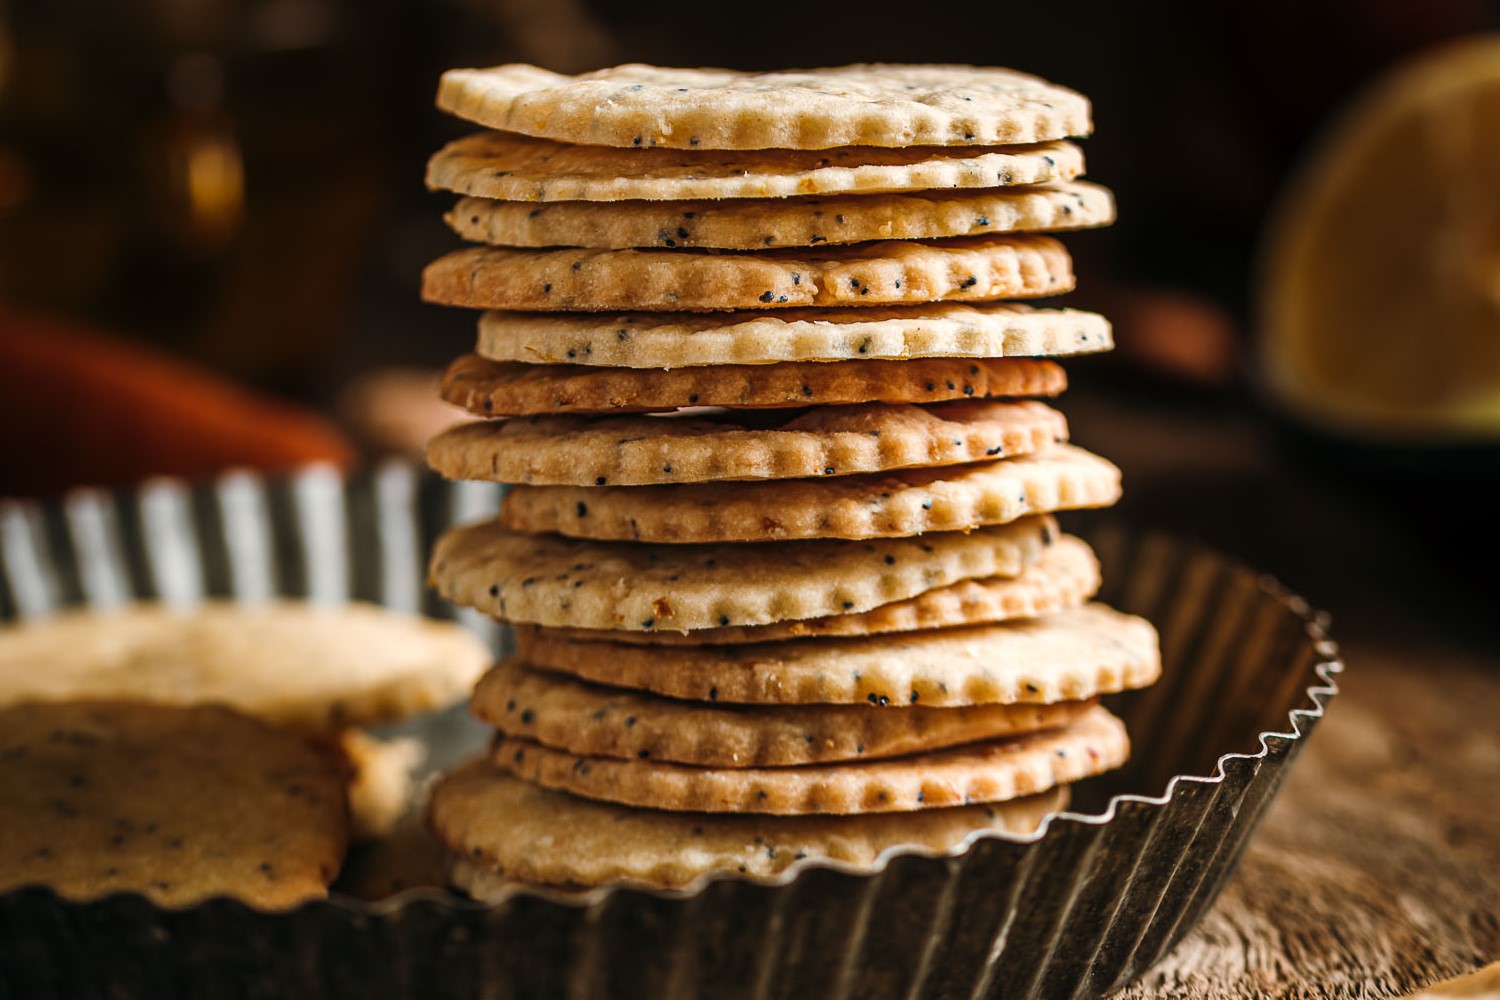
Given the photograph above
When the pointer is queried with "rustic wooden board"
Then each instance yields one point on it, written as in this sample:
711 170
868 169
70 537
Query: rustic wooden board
1377 870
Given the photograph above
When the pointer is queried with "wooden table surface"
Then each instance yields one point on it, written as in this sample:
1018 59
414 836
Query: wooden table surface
1377 870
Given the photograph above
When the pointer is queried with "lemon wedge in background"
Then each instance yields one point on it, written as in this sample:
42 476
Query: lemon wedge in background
1379 302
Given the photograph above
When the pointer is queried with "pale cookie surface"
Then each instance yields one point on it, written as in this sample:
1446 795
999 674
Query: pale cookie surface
310 667
180 804
504 830
783 222
860 105
569 583
731 445
869 274
383 786
983 772
1482 984
1065 577
506 389
881 505
523 168
675 340
584 719
1071 655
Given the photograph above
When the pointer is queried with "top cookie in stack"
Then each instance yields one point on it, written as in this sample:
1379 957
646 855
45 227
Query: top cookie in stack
757 373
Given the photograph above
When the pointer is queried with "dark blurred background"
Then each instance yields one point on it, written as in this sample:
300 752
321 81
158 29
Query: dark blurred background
240 180
237 184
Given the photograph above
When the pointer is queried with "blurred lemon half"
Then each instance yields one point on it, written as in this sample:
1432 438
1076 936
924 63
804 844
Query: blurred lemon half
1380 292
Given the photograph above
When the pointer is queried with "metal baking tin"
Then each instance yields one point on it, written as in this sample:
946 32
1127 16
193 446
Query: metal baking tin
1080 908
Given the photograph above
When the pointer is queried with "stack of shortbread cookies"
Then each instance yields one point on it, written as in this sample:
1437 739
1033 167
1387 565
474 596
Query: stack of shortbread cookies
779 539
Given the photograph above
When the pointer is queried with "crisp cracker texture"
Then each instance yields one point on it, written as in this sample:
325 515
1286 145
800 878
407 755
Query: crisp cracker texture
982 772
732 445
507 389
783 222
1071 655
571 583
884 505
584 719
676 340
864 105
523 168
505 831
180 804
314 668
1066 575
869 274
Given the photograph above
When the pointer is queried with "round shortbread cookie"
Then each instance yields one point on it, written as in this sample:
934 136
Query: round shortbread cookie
503 830
569 583
1071 655
515 167
179 804
566 714
881 505
668 340
311 667
1065 577
860 105
783 222
868 274
821 441
512 389
983 772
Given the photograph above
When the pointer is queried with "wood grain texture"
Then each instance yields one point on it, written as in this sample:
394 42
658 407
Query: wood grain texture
1377 871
